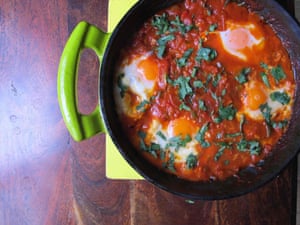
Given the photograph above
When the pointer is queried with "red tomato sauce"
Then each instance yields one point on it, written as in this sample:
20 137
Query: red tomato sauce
211 87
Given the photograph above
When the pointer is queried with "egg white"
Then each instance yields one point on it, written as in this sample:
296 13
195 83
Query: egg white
136 82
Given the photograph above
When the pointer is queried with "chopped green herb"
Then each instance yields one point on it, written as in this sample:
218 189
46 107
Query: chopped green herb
184 86
223 93
194 72
123 88
223 147
178 141
198 84
227 112
200 136
162 44
142 106
264 66
180 26
278 73
216 80
253 147
191 161
171 161
183 60
266 111
161 23
161 135
242 145
280 124
202 105
142 136
213 27
183 106
281 97
242 76
237 134
207 54
264 77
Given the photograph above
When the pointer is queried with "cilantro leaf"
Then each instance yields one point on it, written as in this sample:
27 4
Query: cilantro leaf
142 106
191 161
202 105
180 26
227 112
183 60
178 141
266 111
278 73
242 76
161 23
213 27
162 42
200 136
123 88
281 97
253 147
207 54
184 86
264 77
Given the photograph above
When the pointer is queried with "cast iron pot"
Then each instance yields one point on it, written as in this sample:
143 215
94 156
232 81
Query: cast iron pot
105 119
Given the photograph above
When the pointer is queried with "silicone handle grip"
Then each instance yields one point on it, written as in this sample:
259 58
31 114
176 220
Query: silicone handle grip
79 125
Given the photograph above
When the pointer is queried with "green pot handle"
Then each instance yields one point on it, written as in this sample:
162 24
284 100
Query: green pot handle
79 125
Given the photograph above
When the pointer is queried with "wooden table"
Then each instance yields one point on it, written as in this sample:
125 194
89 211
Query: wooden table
47 178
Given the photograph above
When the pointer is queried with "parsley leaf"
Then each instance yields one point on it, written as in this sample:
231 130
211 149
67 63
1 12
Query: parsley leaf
178 141
184 86
207 54
242 76
223 147
162 42
281 97
202 105
142 106
266 111
123 88
191 161
264 77
183 60
183 106
253 147
213 27
161 23
200 136
180 26
227 112
278 73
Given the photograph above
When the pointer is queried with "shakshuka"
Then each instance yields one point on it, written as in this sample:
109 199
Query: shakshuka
204 89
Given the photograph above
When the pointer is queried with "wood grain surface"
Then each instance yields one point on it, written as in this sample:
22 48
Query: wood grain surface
47 178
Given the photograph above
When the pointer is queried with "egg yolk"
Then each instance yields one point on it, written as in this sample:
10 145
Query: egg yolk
181 127
255 96
239 40
149 68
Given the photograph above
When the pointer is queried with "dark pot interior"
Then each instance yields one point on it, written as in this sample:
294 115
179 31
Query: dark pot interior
250 178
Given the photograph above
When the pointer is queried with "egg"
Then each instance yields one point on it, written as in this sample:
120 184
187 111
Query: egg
135 80
179 127
257 94
241 40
